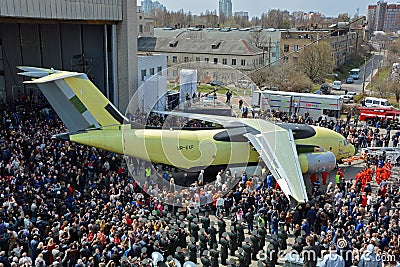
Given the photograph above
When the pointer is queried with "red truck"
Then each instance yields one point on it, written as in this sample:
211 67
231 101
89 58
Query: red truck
372 114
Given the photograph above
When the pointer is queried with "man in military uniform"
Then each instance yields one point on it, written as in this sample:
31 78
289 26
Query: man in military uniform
182 235
240 257
240 233
192 250
205 221
213 236
214 257
254 240
205 260
232 241
179 255
221 226
173 242
203 241
282 239
262 232
194 230
247 252
224 248
272 255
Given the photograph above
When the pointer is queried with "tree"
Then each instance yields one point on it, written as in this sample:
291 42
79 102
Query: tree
343 17
286 77
317 61
257 38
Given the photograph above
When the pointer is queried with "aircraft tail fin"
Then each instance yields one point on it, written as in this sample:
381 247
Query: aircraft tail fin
77 101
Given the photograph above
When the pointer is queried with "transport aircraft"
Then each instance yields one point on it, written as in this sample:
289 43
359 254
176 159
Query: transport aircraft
288 150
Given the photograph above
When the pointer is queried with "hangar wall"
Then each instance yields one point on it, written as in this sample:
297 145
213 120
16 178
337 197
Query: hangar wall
75 47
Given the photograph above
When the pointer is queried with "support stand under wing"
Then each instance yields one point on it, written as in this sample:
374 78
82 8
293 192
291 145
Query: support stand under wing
278 151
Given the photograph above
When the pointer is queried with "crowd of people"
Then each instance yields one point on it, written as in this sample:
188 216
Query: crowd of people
64 204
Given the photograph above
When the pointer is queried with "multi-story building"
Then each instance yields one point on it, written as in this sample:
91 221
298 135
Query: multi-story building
214 58
343 45
149 7
242 14
268 41
145 24
97 37
225 8
383 17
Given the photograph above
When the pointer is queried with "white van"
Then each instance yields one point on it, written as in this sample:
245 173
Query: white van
376 102
337 85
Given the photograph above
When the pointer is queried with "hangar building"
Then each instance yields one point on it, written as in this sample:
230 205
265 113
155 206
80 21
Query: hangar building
98 37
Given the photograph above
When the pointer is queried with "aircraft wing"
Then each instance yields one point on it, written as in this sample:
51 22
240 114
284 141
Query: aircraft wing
275 145
277 149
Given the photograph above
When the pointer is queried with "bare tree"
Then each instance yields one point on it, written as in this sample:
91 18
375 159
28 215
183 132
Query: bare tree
257 38
317 61
286 77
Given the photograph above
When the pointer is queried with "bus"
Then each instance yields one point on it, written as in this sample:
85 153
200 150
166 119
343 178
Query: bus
328 106
355 74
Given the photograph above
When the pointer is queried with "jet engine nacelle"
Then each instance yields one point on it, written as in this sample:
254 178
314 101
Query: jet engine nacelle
317 162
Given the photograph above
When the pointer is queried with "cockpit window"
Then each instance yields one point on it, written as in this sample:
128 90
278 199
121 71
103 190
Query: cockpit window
345 142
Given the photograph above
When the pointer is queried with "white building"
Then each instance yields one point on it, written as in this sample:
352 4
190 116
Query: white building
152 81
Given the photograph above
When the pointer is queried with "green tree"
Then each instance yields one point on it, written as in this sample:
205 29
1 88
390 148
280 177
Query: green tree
317 61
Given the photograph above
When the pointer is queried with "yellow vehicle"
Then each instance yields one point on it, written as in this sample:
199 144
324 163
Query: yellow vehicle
288 150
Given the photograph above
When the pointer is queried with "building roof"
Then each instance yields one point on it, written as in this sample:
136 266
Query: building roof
197 46
273 36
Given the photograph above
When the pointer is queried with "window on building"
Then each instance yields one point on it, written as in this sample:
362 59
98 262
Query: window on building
224 61
296 47
233 61
285 48
143 75
159 70
215 60
186 59
140 28
140 17
243 62
151 71
197 59
174 73
174 59
207 60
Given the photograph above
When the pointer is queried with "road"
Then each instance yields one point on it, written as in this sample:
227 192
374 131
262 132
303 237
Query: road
371 66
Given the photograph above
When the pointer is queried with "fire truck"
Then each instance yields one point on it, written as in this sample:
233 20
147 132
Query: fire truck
387 115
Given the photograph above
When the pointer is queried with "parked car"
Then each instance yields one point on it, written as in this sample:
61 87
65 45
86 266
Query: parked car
216 83
350 80
351 94
318 92
337 85
376 102
345 98
325 89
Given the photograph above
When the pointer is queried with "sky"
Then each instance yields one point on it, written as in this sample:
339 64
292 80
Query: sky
329 8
